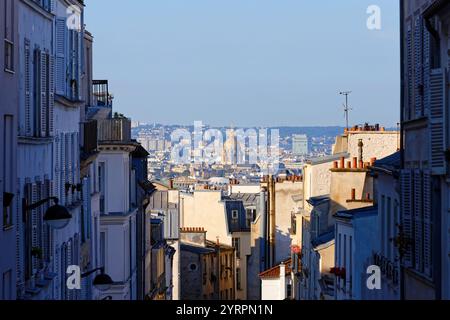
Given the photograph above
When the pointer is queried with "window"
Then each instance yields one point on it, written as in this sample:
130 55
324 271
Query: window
237 247
193 267
293 224
7 286
103 249
9 35
235 214
101 186
289 291
250 215
238 278
389 220
383 223
8 136
9 56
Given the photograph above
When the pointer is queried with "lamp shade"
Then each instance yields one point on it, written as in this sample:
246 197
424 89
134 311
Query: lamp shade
57 216
103 282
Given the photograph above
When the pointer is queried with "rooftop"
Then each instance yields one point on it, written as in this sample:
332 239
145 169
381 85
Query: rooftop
357 213
274 272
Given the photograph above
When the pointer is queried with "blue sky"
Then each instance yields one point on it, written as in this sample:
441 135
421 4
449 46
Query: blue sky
247 62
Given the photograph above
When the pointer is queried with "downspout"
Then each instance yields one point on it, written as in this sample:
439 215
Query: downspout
402 119
272 221
262 230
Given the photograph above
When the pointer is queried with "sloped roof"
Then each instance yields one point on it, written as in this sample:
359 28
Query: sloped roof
274 272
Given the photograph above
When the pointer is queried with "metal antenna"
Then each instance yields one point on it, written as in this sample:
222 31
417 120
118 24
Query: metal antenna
346 108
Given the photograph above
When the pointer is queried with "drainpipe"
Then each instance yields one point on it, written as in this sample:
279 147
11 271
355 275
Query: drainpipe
262 230
272 221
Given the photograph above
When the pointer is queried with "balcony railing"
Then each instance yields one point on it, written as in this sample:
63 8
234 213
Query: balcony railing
114 130
102 97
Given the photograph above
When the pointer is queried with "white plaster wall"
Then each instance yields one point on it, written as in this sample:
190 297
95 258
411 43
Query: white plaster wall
271 289
376 144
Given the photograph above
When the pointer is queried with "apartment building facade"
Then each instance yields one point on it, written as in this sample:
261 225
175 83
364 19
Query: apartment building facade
424 176
9 201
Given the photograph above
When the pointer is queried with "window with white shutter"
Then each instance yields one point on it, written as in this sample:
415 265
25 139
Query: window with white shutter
436 120
406 214
61 65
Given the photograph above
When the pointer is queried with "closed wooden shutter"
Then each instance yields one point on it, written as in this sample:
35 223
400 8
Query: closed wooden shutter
418 67
68 165
409 70
61 66
19 236
46 232
427 224
27 80
43 103
51 95
407 212
63 168
436 118
34 226
418 229
57 147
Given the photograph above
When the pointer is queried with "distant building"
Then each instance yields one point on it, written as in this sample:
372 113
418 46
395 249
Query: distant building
207 267
300 144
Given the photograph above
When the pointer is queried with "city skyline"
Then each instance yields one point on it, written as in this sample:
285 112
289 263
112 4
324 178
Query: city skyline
190 57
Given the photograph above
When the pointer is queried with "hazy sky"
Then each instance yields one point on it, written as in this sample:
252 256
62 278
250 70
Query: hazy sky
247 62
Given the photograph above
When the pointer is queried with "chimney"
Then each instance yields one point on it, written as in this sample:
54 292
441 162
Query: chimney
372 161
355 163
171 184
335 164
342 165
349 164
353 195
360 150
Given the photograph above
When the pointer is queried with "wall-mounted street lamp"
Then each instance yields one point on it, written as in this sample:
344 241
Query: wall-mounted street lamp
102 281
56 216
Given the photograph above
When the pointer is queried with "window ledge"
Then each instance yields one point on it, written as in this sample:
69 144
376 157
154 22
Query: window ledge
8 227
